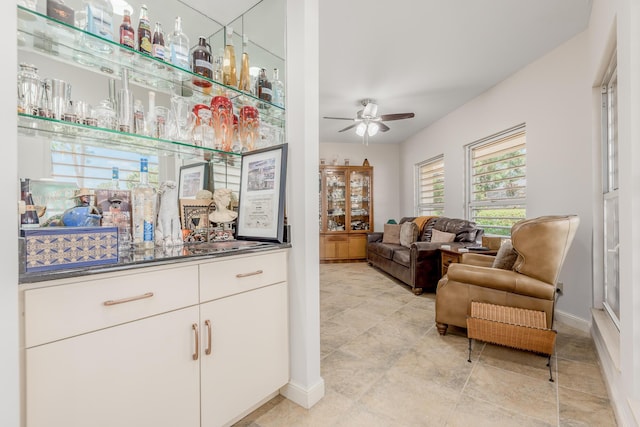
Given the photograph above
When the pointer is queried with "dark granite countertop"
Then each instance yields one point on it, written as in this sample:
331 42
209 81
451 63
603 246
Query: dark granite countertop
133 259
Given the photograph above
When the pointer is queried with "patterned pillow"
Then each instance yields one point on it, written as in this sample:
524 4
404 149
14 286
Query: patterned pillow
391 234
408 233
506 256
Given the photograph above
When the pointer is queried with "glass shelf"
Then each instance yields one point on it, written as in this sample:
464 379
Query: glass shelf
30 125
65 43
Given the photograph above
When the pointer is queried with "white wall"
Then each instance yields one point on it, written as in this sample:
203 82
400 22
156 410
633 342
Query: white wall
385 159
553 97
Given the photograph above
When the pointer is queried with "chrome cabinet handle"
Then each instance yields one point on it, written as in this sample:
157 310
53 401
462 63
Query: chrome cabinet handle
207 323
253 273
129 299
195 356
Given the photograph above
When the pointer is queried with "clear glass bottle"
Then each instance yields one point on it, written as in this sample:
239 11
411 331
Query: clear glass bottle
179 46
99 22
277 89
28 219
144 209
144 31
229 73
125 104
127 33
157 48
245 78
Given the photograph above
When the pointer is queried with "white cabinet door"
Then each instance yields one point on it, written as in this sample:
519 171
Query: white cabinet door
137 374
249 356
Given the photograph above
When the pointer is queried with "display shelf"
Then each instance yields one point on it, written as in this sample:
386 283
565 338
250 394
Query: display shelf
29 125
67 44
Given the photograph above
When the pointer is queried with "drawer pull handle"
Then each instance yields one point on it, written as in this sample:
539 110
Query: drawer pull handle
123 300
195 355
207 323
253 273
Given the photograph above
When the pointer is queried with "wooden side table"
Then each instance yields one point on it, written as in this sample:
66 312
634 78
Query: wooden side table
449 256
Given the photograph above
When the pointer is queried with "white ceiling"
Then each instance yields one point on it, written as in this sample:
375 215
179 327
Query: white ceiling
429 56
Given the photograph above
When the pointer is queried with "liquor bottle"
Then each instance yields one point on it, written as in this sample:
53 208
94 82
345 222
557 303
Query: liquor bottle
157 48
28 219
144 209
179 46
263 86
127 33
277 89
115 178
144 31
245 78
201 62
229 73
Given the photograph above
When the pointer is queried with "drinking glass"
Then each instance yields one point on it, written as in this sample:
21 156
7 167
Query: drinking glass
161 122
222 119
249 127
29 87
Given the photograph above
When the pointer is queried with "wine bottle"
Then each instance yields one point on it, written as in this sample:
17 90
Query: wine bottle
127 33
144 209
229 73
28 219
144 31
245 78
157 48
179 46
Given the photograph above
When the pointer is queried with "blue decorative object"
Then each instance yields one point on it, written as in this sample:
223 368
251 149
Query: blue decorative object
81 216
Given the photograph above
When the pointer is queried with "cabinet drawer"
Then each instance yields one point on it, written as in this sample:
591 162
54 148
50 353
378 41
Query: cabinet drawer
59 312
227 277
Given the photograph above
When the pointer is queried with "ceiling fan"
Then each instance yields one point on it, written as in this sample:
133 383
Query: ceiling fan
368 123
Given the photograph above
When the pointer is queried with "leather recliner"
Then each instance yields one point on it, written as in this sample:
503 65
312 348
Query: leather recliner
541 245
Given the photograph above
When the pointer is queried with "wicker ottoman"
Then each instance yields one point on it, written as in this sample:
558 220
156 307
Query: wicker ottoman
512 327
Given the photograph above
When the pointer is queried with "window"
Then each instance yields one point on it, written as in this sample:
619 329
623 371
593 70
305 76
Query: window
497 183
430 187
610 187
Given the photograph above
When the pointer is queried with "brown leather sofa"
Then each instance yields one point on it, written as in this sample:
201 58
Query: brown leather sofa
541 245
419 266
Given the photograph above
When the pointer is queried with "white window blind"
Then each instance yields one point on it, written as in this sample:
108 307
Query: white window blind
430 187
497 186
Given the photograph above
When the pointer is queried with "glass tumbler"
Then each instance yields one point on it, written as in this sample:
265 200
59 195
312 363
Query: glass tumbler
29 89
249 127
222 119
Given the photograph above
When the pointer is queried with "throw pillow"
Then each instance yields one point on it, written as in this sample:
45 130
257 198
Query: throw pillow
506 256
391 234
408 233
438 236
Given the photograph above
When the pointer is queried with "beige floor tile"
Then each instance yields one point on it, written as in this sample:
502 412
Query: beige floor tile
576 348
360 416
348 374
478 413
358 318
522 362
582 409
514 392
583 377
334 335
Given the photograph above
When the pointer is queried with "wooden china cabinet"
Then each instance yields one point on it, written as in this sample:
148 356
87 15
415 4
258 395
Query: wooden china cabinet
346 212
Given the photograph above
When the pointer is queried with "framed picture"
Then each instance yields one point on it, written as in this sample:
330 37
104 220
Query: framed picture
194 214
193 178
261 200
115 206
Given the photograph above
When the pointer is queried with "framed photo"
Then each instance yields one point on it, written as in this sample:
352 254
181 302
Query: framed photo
262 189
193 178
115 206
194 214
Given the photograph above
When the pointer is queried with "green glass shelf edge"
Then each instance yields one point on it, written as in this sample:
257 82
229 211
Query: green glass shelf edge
83 134
120 56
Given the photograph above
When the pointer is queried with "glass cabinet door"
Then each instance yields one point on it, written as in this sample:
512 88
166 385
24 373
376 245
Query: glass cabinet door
360 198
336 203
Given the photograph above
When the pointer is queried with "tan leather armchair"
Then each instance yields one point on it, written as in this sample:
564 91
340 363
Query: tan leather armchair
541 245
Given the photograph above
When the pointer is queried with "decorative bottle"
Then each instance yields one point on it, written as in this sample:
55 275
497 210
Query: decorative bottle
179 46
157 48
201 62
277 89
245 78
229 73
28 219
263 86
144 31
125 104
144 209
127 33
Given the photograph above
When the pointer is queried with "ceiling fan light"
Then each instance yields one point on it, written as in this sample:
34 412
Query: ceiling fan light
372 129
360 129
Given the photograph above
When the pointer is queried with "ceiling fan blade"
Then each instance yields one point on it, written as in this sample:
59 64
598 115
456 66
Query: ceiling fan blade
383 127
338 118
348 127
397 116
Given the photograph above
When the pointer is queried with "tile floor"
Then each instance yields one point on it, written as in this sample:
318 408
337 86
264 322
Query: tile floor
384 364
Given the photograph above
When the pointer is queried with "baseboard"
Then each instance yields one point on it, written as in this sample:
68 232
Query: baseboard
572 321
304 397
